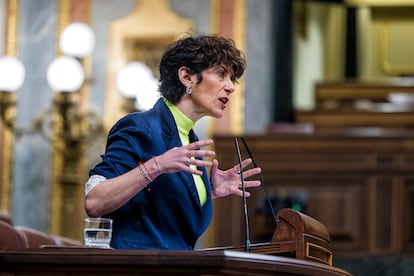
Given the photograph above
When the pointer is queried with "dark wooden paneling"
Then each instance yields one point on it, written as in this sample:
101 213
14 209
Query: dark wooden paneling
355 184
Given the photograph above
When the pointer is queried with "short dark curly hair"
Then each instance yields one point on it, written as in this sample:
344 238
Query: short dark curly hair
197 53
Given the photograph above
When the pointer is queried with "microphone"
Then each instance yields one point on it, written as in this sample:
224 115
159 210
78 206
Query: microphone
261 181
246 216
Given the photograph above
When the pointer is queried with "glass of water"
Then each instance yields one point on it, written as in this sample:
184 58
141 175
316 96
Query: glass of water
98 232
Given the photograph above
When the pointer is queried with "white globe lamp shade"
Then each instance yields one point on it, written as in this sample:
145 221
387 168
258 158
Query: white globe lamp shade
77 40
149 95
65 74
12 74
132 79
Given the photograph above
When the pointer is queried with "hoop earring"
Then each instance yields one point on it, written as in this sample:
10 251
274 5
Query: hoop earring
189 90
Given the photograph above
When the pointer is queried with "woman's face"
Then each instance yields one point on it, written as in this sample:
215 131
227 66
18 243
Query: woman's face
211 96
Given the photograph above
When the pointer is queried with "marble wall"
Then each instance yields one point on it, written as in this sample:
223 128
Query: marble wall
260 69
36 49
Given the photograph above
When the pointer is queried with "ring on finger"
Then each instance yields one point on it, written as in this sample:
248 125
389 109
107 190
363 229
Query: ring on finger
236 170
188 162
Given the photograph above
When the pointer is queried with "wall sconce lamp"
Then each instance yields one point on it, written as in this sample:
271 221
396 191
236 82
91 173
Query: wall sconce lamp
12 74
65 124
77 40
138 85
69 126
65 76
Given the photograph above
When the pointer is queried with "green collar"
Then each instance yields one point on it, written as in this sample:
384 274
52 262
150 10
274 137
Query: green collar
184 124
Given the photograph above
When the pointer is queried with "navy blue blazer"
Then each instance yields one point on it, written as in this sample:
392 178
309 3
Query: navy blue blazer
167 214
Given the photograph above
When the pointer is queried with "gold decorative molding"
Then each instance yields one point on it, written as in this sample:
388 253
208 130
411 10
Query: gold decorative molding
379 3
56 164
392 58
334 45
149 28
67 167
12 21
8 137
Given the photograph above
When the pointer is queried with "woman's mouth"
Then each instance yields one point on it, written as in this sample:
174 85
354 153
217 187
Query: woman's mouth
224 100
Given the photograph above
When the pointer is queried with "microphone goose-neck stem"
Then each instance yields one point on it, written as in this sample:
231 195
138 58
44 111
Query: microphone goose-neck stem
246 216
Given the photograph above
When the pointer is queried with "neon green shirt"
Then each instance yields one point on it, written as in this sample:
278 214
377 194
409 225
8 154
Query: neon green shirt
184 125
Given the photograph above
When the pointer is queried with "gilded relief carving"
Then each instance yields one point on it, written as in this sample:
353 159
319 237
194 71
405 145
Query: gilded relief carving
143 35
146 51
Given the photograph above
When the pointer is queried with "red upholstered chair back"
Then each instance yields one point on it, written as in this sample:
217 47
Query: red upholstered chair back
18 237
10 238
5 217
34 238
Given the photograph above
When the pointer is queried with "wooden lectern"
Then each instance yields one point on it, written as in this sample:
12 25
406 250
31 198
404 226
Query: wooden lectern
298 236
308 238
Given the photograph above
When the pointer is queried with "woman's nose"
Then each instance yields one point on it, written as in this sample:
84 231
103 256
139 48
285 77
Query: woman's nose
229 87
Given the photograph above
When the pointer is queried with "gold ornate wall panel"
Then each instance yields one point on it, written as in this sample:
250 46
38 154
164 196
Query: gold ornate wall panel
380 3
142 35
395 27
67 168
334 42
4 189
385 33
7 137
56 164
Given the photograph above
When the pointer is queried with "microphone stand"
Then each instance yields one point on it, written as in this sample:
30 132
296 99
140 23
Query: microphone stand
261 181
246 216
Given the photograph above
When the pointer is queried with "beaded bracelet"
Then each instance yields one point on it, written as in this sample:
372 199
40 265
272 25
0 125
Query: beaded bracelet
144 172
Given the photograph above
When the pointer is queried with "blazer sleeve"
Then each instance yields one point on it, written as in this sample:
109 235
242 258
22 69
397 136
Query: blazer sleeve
127 141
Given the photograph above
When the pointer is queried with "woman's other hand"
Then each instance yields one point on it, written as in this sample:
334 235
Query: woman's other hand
228 182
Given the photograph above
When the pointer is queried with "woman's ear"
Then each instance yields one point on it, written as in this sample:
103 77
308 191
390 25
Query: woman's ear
184 76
